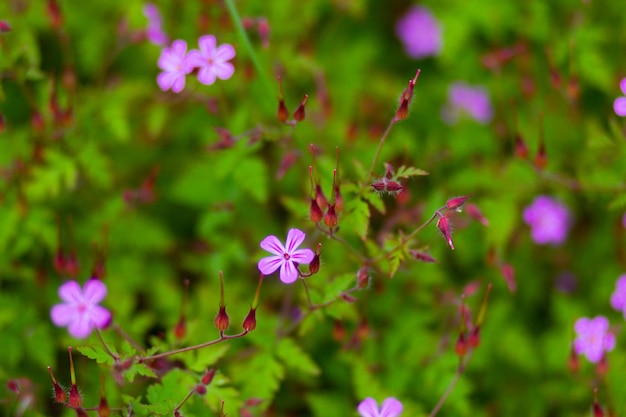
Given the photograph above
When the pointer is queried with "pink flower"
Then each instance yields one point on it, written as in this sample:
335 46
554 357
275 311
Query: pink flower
285 257
80 311
212 60
154 31
619 105
464 99
593 338
618 298
549 220
175 65
391 407
420 33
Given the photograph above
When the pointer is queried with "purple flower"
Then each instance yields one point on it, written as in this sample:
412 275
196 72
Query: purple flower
619 105
175 65
80 311
212 60
420 33
549 220
593 338
154 31
464 99
285 257
618 298
391 407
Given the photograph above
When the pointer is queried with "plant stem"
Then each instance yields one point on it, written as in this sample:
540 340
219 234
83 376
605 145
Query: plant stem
381 142
189 348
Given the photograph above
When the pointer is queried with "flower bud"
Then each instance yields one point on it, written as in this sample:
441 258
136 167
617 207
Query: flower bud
54 14
4 26
103 408
315 212
521 150
363 277
338 200
456 202
443 224
461 345
208 376
180 330
474 337
59 392
422 256
3 123
508 273
249 323
299 114
200 389
405 100
474 212
221 320
75 399
322 202
330 218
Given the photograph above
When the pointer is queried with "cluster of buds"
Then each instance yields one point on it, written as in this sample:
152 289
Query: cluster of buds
320 208
388 184
222 321
283 113
469 333
444 214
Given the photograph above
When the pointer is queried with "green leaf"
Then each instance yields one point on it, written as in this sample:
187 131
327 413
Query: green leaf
296 359
406 172
138 369
251 176
220 390
174 386
58 173
260 376
97 353
356 218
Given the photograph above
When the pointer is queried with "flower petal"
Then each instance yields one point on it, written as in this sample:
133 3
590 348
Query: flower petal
273 245
179 48
288 272
206 75
207 45
225 52
99 316
368 408
224 70
270 264
94 291
179 83
295 237
391 407
302 256
62 314
622 85
619 105
70 292
165 80
80 327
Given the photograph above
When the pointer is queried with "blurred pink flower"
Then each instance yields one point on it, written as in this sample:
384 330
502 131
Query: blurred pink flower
549 220
464 99
593 338
618 298
175 65
419 32
80 311
391 407
619 105
212 60
285 257
154 31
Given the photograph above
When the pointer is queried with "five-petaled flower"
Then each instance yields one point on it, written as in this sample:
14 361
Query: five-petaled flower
618 298
80 311
285 257
549 220
175 65
593 338
420 33
464 99
391 407
212 60
619 105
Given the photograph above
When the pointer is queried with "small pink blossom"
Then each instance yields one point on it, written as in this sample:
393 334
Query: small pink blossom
619 105
80 311
154 31
285 257
175 65
618 298
419 32
549 220
391 407
212 60
593 338
464 99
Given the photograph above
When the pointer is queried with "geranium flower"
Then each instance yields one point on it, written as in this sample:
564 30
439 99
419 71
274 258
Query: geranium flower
391 407
549 220
80 311
285 257
619 105
593 338
464 99
212 60
175 65
419 32
618 298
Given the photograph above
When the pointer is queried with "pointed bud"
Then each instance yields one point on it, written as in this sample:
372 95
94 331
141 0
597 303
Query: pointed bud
208 376
72 266
322 202
330 218
461 345
521 150
75 400
508 273
405 100
315 212
4 26
103 408
338 200
59 262
455 203
474 212
180 330
54 14
474 338
221 320
422 256
314 265
348 298
443 224
37 122
283 112
200 389
363 277
59 392
263 29
597 410
299 114
249 323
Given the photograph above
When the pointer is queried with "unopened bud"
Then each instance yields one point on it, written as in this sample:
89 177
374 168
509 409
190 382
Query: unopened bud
597 410
299 114
314 265
249 323
4 26
474 337
405 100
3 123
443 224
200 389
59 392
54 13
263 29
180 330
208 376
221 320
521 150
338 200
103 408
422 256
322 202
461 345
75 400
541 159
363 277
474 212
315 212
508 273
456 202
330 218
37 122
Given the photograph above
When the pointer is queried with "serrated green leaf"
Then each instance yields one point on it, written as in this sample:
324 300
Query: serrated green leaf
296 359
406 172
356 218
204 358
174 386
138 369
375 200
260 376
251 176
97 353
58 173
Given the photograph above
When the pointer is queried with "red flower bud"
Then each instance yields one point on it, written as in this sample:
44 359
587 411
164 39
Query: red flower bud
4 26
299 114
221 320
75 400
314 265
338 200
363 277
474 337
474 212
405 100
315 212
456 202
330 218
508 273
180 330
103 408
521 150
208 376
249 323
422 256
200 389
443 224
461 345
322 202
